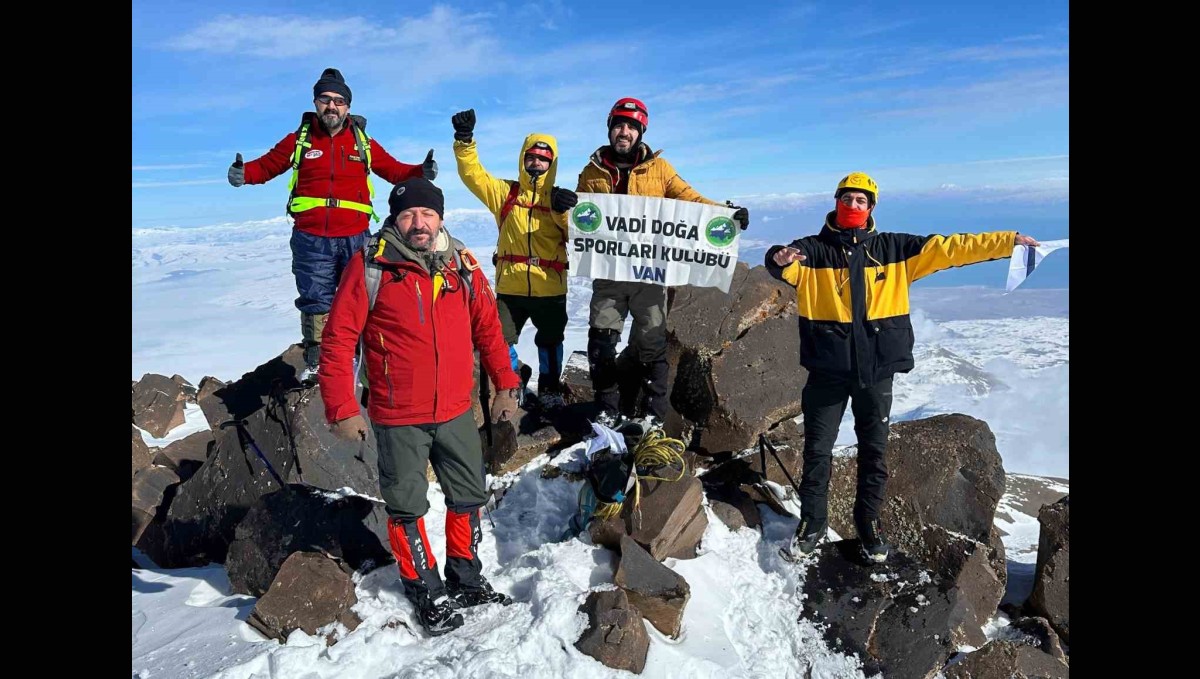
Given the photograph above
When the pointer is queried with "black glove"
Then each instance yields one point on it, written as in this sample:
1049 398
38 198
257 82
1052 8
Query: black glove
562 200
741 215
237 174
464 125
429 167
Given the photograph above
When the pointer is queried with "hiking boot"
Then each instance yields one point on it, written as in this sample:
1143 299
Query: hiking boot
870 536
466 597
437 617
551 401
308 376
808 535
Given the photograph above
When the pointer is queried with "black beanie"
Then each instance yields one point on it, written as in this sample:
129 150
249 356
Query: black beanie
332 81
415 193
615 120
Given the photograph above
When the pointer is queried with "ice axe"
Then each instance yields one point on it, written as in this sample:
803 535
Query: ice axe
244 436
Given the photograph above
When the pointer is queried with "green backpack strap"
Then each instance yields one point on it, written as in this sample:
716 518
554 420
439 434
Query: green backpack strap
358 127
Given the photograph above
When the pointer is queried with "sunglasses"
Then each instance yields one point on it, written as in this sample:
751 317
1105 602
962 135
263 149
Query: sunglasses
326 99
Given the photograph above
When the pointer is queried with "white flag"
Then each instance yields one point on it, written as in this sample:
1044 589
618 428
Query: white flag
1025 259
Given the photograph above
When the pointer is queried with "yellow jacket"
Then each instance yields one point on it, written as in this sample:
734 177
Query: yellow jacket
650 176
530 229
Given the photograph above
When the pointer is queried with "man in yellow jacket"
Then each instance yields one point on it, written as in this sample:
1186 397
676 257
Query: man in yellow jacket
852 298
627 165
531 253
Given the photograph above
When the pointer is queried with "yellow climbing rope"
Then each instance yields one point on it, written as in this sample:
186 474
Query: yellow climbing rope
654 453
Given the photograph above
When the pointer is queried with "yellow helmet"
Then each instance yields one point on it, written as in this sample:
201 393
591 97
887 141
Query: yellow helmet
858 181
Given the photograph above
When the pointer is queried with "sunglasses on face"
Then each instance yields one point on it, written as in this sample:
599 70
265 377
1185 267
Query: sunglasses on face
326 99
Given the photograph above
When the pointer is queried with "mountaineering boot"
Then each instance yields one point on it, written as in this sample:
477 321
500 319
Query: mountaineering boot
312 326
418 573
482 593
808 535
870 535
437 617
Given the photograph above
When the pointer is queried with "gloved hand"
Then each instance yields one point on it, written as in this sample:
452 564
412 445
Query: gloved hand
741 215
464 125
562 200
504 405
350 429
237 173
429 167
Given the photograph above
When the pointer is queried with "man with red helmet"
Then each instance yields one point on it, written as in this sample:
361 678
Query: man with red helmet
627 165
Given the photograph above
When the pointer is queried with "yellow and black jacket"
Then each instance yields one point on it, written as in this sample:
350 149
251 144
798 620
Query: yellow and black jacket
852 292
529 230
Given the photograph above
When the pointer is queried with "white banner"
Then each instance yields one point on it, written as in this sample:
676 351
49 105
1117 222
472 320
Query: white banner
652 240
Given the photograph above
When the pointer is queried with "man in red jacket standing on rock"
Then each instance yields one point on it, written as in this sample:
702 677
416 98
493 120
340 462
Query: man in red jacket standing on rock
421 306
331 158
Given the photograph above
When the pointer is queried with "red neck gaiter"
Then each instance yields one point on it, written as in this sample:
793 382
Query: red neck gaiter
851 218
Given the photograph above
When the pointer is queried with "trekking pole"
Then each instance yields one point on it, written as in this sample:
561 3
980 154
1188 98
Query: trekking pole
483 404
244 436
764 443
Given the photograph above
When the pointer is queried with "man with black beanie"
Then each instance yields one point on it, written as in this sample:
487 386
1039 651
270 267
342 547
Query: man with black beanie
421 306
331 158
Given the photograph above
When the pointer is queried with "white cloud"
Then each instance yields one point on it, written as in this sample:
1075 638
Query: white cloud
274 37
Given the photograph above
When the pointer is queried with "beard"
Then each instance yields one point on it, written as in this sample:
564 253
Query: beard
332 120
418 239
624 145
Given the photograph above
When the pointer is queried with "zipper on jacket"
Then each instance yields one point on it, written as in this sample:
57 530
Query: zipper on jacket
328 209
529 240
386 373
420 304
436 382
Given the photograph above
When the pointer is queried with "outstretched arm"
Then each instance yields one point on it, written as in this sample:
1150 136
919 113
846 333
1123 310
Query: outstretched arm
384 165
930 254
271 164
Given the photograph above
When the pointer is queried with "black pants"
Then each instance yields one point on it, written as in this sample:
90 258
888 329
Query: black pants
824 402
549 316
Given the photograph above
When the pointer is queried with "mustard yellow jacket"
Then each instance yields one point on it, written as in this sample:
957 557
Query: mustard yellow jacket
530 229
650 176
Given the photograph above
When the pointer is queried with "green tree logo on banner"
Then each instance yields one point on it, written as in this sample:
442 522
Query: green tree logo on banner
586 217
720 232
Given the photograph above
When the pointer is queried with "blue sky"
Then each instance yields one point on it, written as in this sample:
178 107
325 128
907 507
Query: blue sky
959 111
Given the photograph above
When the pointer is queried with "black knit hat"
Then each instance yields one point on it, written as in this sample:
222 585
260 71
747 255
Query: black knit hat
415 193
332 81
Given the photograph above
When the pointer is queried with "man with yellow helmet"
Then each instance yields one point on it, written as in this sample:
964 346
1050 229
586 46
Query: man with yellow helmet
855 333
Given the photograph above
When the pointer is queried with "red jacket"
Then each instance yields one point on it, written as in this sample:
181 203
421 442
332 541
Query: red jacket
419 352
335 172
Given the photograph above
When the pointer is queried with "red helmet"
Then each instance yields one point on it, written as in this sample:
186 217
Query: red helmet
630 108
